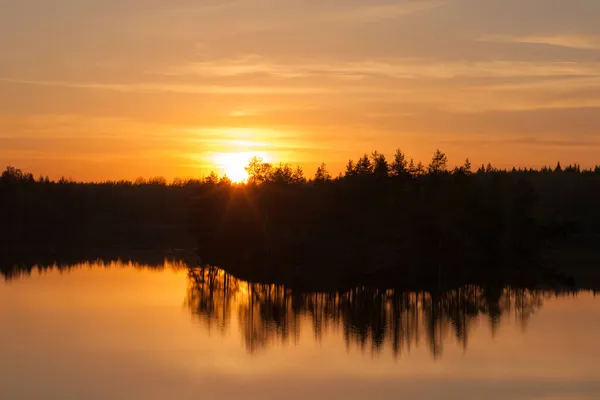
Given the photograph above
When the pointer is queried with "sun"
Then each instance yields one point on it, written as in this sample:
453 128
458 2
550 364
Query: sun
234 165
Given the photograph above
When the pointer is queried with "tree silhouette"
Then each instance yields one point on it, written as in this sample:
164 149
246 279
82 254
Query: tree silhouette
420 169
412 168
322 174
438 164
364 167
259 171
381 168
225 180
298 176
282 174
212 179
399 167
467 167
558 168
15 175
350 169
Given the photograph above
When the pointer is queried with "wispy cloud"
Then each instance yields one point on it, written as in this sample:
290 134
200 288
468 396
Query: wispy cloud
378 12
525 141
460 86
573 41
252 16
169 88
240 66
398 68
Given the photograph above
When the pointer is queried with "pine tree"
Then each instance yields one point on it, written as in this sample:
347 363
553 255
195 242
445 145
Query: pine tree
381 167
467 167
439 163
364 166
322 174
350 169
558 167
399 165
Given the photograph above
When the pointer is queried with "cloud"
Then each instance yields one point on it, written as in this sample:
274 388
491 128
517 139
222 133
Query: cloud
397 68
247 17
428 84
378 12
573 41
169 88
241 66
525 141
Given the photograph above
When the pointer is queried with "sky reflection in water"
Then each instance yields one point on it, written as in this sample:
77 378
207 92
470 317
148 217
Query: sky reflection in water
127 331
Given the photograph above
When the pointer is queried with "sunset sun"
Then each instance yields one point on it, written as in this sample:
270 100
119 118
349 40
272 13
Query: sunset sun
234 165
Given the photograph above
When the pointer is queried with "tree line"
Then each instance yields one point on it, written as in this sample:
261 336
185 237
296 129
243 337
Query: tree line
259 172
397 219
379 219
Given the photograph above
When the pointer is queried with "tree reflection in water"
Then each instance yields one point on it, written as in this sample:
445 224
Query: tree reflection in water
368 317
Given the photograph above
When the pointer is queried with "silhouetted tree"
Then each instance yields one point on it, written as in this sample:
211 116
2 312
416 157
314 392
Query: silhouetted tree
575 168
259 171
364 167
298 175
464 169
399 167
12 174
158 181
282 174
467 167
212 179
558 167
350 169
438 164
322 174
225 180
412 168
420 169
381 168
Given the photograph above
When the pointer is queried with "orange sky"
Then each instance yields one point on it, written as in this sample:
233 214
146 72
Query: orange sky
112 89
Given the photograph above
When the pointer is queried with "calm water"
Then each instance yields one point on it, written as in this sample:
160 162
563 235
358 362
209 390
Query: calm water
123 331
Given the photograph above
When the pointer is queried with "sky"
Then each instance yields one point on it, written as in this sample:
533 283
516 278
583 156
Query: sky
110 89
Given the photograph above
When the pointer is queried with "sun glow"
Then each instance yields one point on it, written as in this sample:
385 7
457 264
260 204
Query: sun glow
234 164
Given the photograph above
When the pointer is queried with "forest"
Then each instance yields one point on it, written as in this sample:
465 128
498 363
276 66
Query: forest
381 220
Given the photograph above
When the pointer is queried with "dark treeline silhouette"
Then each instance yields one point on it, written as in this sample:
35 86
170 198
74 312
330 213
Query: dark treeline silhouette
369 318
20 265
399 221
388 220
59 215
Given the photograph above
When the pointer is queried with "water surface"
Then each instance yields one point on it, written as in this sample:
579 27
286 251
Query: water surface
128 331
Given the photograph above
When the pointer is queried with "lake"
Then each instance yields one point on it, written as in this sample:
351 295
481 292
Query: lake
115 330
